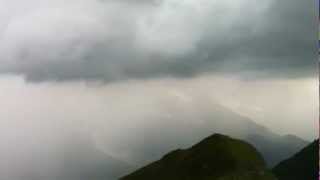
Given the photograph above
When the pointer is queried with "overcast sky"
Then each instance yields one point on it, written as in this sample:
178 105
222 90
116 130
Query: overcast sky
107 67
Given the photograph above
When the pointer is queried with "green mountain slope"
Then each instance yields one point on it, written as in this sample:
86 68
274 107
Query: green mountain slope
217 157
302 166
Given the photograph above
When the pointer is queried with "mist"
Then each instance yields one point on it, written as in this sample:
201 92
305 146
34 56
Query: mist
137 121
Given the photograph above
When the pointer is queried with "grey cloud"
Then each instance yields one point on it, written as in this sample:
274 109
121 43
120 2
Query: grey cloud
112 41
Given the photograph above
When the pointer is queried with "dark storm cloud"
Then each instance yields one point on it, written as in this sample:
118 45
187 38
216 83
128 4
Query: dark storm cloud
119 40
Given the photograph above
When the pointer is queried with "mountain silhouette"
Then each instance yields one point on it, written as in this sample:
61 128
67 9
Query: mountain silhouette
276 148
217 157
164 135
303 165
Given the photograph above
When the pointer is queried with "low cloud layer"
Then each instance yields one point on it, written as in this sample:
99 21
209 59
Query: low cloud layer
119 40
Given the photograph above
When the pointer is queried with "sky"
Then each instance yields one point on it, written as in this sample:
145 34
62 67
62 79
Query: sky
115 70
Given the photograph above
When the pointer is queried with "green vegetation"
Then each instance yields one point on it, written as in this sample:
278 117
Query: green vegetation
215 158
302 166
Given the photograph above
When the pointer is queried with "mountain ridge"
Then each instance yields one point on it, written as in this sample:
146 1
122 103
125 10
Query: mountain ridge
216 157
164 136
303 165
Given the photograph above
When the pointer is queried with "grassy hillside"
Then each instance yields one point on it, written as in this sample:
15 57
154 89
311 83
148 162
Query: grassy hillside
217 157
302 166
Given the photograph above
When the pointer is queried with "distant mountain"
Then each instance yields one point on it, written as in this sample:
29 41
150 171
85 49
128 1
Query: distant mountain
217 157
273 147
181 134
302 166
276 148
